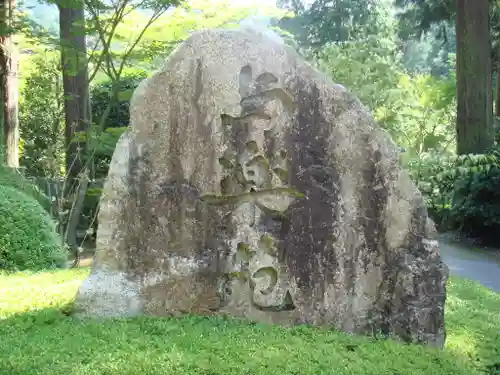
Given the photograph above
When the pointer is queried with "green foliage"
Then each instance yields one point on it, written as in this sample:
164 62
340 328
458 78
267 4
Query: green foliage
418 111
476 199
103 144
41 118
320 22
418 16
102 96
420 114
429 54
460 191
172 27
34 310
28 237
369 68
429 172
10 177
103 140
46 15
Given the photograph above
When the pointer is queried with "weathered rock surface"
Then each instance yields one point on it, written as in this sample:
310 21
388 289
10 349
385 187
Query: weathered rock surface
251 185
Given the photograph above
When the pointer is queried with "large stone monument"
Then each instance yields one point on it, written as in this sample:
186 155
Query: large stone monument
251 185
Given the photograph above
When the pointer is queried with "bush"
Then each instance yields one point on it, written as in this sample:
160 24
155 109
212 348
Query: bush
13 178
28 238
429 171
461 192
119 113
104 143
41 117
475 209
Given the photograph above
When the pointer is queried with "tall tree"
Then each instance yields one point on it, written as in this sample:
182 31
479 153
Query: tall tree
75 80
76 108
9 83
319 22
474 91
474 65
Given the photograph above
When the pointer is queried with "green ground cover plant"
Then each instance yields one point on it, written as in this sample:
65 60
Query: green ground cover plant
39 337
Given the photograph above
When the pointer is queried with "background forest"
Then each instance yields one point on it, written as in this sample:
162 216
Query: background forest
68 69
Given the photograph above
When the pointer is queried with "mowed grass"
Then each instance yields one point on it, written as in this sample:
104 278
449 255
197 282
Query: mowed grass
37 337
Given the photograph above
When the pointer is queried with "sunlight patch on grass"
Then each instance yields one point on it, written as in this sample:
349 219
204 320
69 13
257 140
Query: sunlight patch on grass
22 292
473 322
462 342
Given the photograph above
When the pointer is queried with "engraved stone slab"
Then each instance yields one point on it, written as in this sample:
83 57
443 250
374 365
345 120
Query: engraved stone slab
251 185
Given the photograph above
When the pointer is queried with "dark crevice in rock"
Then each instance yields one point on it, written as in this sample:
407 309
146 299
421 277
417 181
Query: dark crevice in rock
310 244
373 198
175 144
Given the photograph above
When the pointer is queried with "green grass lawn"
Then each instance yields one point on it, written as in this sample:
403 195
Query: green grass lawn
37 337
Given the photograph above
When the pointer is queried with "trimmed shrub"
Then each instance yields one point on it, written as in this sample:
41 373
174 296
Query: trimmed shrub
476 205
13 178
28 237
462 192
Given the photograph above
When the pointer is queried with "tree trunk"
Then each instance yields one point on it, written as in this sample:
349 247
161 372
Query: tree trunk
496 119
76 109
474 92
75 83
497 83
9 82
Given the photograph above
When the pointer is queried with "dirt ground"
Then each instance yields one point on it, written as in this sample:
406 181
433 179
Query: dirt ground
86 258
